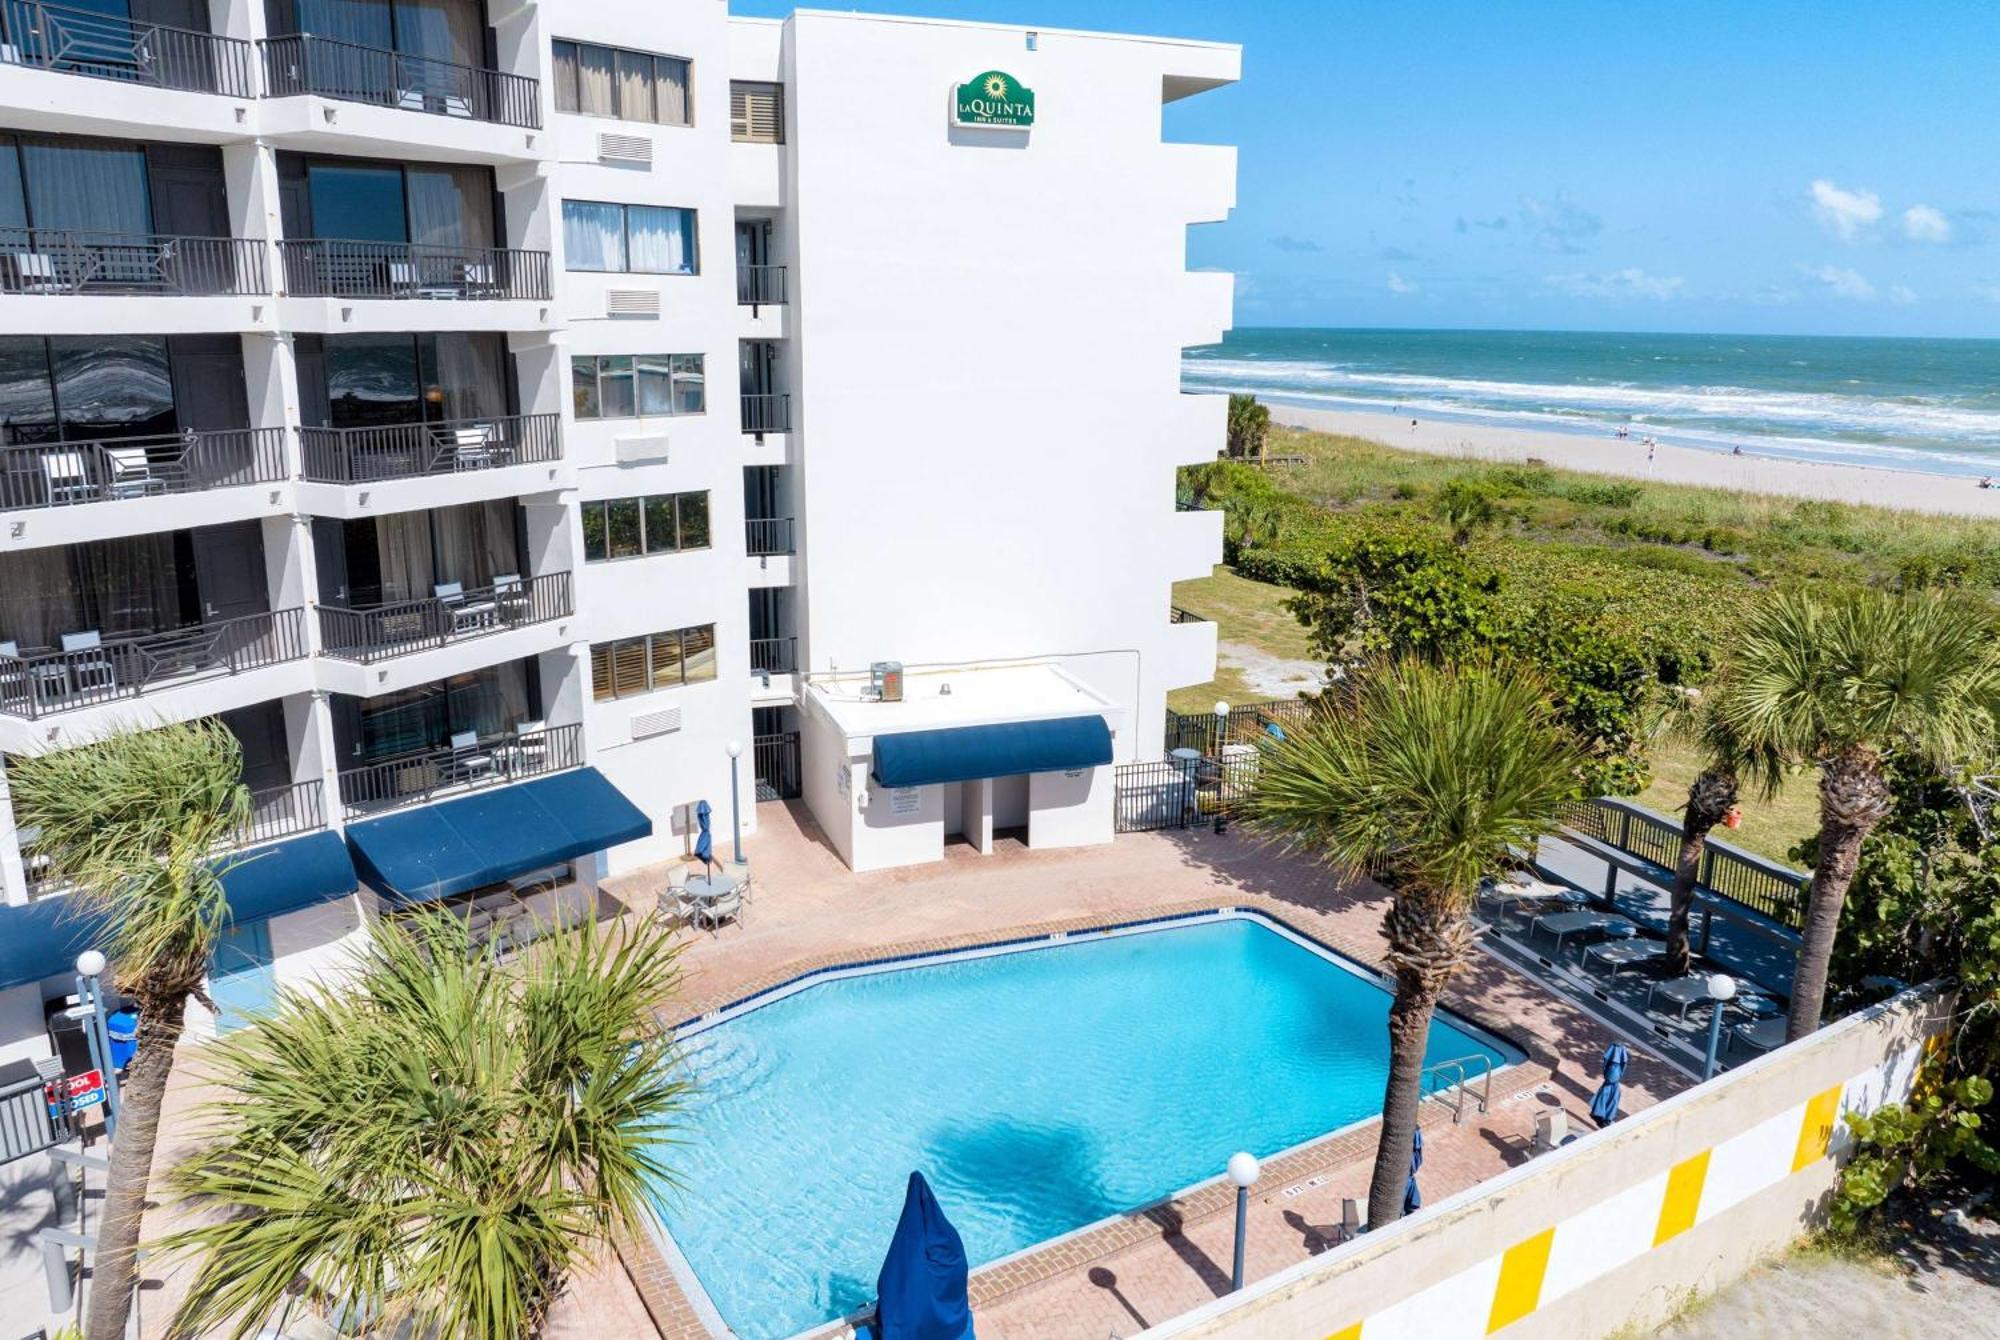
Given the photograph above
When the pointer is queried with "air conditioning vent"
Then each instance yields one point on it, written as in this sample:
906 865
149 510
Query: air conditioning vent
648 724
642 450
632 302
624 148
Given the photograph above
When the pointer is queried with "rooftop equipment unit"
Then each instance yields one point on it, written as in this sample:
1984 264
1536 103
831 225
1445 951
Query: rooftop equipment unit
885 681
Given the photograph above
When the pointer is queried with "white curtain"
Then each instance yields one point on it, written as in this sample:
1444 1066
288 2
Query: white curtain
593 235
672 91
660 241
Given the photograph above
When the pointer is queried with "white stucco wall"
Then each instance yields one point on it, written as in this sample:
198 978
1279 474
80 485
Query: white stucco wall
1071 809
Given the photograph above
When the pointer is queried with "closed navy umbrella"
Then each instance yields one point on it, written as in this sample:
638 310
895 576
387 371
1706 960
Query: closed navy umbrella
1604 1107
1413 1199
704 840
921 1292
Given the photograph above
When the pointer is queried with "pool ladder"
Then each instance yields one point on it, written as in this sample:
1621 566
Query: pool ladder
1456 1077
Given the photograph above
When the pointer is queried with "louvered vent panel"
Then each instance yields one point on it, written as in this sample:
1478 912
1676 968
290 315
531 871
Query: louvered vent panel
642 450
624 148
632 302
756 112
648 724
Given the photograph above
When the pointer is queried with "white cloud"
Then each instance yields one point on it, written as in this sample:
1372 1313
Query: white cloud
1619 285
1845 214
1989 290
1921 223
1902 294
1841 281
1398 284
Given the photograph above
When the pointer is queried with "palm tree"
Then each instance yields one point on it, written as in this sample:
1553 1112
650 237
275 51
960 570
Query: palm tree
1711 796
1845 683
134 822
1431 775
1252 522
441 1142
1249 424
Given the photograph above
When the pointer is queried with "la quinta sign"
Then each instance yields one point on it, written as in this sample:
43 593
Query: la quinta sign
995 98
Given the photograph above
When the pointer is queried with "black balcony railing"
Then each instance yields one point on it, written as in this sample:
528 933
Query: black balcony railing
103 46
275 812
1176 614
777 772
412 779
319 267
65 474
760 285
411 450
68 261
767 536
767 414
39 683
308 63
773 656
382 631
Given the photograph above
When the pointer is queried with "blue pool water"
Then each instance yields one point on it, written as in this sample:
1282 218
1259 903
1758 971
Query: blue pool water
1039 1091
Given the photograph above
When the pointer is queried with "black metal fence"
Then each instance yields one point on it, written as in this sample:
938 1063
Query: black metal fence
1182 793
767 414
418 625
773 656
325 267
65 474
411 450
68 261
777 766
1246 724
308 63
36 684
105 46
412 779
1742 877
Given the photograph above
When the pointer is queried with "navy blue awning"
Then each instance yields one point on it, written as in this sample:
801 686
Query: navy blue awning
435 851
1009 749
43 938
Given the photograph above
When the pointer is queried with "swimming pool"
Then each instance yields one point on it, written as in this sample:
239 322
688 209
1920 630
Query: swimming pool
1039 1089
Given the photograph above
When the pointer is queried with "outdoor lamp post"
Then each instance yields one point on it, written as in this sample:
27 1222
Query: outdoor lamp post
90 995
1221 770
735 804
1721 990
1243 1172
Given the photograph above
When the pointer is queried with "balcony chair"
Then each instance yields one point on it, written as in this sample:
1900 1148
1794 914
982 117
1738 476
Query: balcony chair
478 278
132 474
529 753
16 683
68 474
510 597
471 446
35 272
88 663
468 761
403 278
466 615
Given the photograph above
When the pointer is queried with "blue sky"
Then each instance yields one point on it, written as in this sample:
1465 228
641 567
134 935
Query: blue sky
1759 165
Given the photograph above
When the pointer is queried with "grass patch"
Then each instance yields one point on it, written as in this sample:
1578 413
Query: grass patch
1246 612
1770 828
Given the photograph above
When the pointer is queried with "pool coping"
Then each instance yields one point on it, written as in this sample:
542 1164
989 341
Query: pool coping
1056 1256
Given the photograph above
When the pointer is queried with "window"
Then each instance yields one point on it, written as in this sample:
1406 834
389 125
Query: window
625 386
628 239
756 112
665 523
635 665
630 85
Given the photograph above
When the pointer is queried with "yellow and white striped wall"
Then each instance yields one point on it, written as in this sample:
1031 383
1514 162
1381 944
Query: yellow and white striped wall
1617 1228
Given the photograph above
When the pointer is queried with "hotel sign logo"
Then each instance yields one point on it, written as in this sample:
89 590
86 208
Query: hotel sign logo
995 98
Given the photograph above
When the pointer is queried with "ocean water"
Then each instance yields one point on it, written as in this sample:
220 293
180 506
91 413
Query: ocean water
1910 404
1037 1091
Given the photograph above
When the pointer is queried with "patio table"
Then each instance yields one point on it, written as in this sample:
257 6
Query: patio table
707 888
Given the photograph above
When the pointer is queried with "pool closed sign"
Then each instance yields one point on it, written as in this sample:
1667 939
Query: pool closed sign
995 98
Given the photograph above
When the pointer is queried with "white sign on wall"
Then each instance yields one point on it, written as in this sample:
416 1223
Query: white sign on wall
906 800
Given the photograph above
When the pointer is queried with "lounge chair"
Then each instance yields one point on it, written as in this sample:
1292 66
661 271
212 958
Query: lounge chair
1630 952
1551 1130
1763 1036
1683 992
1353 1217
1562 925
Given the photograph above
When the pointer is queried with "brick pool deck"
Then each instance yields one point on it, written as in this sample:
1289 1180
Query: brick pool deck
1117 1277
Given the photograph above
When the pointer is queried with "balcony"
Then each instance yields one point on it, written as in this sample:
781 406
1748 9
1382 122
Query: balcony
475 762
100 46
308 63
760 285
416 450
67 262
275 812
67 474
767 414
88 671
331 268
451 615
766 537
773 656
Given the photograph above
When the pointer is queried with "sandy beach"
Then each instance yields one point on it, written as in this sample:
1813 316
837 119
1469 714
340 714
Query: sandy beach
1607 455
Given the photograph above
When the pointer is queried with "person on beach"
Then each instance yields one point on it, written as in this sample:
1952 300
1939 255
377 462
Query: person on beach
1413 425
1649 453
1736 451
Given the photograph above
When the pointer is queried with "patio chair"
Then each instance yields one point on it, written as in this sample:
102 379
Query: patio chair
132 474
465 614
510 597
1353 1217
1562 925
472 446
1763 1036
89 665
723 907
1629 952
468 760
35 272
1551 1130
403 276
68 475
529 752
15 680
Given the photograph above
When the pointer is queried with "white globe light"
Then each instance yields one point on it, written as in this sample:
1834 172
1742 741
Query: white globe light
1221 708
90 963
1721 986
1243 1168
735 748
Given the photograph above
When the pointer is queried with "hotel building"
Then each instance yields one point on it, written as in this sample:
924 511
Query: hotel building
492 412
